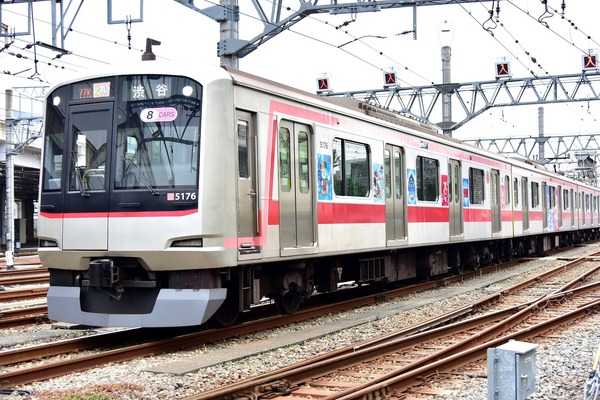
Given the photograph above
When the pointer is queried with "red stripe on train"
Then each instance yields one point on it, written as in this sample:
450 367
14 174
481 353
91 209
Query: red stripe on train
128 214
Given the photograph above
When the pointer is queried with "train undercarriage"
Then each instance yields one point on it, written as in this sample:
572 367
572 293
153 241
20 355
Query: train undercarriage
124 290
289 283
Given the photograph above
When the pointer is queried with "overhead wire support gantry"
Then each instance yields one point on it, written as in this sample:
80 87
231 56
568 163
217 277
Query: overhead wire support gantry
474 98
230 47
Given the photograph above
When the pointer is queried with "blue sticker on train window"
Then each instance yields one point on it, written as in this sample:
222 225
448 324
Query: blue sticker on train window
324 177
378 183
411 178
466 192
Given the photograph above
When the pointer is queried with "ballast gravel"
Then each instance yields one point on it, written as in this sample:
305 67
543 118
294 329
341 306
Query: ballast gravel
563 363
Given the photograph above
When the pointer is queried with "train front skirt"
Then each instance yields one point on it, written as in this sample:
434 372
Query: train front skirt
172 308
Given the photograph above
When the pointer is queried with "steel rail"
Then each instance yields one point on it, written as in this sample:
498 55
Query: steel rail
342 358
23 294
51 370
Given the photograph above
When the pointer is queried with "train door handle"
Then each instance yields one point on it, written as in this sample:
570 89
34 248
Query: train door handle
252 193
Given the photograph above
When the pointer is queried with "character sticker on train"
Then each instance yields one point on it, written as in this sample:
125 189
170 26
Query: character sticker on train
466 192
324 177
444 190
378 188
411 178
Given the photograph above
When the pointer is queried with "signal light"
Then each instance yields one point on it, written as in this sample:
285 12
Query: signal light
590 62
503 70
389 79
323 85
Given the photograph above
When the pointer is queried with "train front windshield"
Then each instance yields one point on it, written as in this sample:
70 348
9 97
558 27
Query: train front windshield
138 132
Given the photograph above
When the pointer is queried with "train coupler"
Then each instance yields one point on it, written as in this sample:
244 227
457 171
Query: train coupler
103 273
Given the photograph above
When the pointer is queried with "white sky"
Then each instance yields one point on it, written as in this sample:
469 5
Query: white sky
297 57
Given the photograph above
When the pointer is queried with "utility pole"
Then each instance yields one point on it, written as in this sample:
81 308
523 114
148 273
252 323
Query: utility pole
541 137
10 182
229 31
445 37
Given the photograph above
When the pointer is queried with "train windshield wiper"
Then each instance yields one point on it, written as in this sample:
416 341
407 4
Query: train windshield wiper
140 174
77 171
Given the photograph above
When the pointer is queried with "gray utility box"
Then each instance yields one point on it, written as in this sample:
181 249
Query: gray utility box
511 371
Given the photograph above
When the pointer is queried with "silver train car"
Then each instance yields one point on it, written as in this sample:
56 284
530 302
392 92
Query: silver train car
172 194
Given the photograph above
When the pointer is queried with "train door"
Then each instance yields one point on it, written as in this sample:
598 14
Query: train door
455 198
573 206
545 205
247 202
495 200
525 207
87 177
395 206
560 206
296 198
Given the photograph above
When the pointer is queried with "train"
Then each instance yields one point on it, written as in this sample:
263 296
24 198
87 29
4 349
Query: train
174 194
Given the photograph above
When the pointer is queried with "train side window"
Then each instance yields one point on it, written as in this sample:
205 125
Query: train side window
285 166
398 174
506 190
303 163
565 199
535 194
552 195
350 168
516 190
427 179
242 134
387 171
587 202
476 187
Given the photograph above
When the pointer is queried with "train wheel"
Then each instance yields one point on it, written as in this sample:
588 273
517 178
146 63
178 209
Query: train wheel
289 302
226 316
229 311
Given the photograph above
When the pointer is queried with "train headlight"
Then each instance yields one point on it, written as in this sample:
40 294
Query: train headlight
56 101
187 91
48 243
188 243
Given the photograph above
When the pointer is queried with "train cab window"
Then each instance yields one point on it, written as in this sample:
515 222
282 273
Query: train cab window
476 186
535 194
158 132
506 190
54 141
88 150
350 168
428 171
516 190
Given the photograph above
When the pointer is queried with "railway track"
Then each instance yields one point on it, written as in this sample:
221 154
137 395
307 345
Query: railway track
19 376
22 292
153 345
388 366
